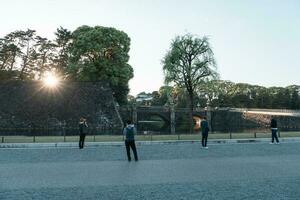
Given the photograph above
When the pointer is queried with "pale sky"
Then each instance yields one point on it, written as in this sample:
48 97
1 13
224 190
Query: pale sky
254 41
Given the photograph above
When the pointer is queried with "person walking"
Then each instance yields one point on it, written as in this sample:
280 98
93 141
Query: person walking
129 131
204 131
274 131
82 131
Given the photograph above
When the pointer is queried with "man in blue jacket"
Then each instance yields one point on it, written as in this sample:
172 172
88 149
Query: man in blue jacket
129 131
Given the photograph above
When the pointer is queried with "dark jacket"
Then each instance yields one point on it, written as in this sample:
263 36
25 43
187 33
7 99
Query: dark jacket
204 126
273 123
83 127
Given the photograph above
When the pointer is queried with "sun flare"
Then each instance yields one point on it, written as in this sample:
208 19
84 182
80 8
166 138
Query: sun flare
50 80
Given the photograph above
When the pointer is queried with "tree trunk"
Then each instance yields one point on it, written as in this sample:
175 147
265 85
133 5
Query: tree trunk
3 63
24 67
12 62
191 109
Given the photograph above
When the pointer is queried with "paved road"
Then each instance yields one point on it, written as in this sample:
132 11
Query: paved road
173 171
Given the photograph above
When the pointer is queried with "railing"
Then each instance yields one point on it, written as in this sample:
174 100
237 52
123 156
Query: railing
142 136
57 131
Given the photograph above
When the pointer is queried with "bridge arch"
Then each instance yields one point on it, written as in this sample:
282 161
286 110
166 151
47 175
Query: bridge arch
153 122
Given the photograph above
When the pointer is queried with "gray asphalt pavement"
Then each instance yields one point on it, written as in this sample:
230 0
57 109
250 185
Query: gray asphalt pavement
165 171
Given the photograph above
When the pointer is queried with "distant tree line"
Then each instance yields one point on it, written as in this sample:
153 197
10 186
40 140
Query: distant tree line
86 54
228 94
219 93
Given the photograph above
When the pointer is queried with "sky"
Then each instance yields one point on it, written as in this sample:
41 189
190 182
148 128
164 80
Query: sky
254 41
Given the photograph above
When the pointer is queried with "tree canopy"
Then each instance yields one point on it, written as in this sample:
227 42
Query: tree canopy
101 54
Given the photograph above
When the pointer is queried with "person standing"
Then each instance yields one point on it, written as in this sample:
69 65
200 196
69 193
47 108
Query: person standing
274 130
204 131
82 131
129 131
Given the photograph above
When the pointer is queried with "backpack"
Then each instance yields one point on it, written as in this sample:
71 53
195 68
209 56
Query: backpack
130 133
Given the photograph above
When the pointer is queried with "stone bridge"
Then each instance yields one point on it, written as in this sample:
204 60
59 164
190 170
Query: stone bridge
160 118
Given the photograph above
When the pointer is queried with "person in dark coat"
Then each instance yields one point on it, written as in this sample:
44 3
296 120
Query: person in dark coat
204 131
129 131
82 131
274 131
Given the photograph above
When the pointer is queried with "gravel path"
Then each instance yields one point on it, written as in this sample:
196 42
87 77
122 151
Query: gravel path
174 171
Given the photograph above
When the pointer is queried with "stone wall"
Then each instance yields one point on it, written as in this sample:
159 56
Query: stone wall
31 108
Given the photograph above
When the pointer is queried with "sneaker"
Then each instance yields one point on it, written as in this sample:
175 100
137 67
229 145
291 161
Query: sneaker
271 142
206 147
277 143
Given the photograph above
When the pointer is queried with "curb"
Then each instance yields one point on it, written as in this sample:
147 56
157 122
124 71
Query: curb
140 143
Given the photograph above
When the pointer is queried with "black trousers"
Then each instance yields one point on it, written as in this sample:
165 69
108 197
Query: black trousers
131 144
81 140
274 135
204 139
